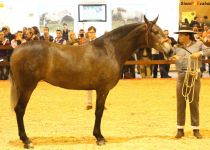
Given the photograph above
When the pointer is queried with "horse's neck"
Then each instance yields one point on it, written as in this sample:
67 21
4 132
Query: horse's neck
126 45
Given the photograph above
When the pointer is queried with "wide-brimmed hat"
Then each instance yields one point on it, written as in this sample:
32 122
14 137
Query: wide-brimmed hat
185 30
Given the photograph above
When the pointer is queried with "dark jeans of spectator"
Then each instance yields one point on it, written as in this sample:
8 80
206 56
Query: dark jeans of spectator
128 71
155 66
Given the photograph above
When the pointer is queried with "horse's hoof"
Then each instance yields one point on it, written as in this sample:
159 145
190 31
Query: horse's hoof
29 146
101 142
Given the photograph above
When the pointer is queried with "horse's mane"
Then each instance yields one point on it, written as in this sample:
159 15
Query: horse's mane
120 31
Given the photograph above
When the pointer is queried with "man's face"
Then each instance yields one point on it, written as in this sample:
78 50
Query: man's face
183 37
92 34
59 34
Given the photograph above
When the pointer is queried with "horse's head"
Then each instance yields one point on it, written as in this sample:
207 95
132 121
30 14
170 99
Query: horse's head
155 37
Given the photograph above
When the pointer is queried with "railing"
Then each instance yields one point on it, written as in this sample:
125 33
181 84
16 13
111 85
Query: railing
138 62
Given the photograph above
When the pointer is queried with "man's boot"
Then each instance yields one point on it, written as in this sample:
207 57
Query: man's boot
180 133
197 134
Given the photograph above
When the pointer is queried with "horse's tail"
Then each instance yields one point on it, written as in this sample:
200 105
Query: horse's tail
14 95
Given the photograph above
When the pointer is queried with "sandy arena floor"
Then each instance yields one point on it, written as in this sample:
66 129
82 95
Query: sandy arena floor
140 115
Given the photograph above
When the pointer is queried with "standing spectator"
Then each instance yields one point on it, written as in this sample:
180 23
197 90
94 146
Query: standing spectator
58 39
65 34
155 56
195 22
36 33
4 70
91 37
188 47
46 35
18 39
164 68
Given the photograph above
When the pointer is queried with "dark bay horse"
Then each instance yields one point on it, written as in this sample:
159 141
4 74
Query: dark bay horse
96 66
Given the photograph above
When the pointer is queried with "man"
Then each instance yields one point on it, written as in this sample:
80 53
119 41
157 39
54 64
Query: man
164 68
58 39
4 55
91 37
65 33
187 48
46 35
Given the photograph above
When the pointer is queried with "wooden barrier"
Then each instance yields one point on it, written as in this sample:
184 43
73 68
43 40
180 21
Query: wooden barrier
138 62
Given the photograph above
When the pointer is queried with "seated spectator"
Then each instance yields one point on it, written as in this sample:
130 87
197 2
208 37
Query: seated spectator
18 39
58 39
36 33
46 35
72 39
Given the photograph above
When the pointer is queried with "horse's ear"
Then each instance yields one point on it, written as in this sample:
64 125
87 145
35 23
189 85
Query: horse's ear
146 20
155 20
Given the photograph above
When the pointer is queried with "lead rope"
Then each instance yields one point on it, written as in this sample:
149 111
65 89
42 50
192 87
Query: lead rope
187 86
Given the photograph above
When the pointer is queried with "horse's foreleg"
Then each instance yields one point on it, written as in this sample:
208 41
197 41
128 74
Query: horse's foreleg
100 101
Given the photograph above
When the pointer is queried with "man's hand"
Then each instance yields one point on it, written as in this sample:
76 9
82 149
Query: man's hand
174 58
196 55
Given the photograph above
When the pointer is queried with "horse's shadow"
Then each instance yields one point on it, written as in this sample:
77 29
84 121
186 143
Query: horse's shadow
63 140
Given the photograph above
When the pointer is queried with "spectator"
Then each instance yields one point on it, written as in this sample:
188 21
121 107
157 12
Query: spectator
81 37
18 39
58 39
46 35
65 33
4 70
72 39
28 35
7 33
164 68
91 37
3 39
195 22
36 33
24 32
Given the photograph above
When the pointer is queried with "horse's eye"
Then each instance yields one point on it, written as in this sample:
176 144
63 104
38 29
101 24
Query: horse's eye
155 31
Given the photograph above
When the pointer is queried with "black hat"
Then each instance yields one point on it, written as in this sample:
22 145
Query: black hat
185 30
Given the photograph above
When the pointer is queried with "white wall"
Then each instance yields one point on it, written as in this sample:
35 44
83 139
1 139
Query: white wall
13 14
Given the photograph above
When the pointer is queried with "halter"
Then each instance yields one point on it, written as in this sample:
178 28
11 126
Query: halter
147 34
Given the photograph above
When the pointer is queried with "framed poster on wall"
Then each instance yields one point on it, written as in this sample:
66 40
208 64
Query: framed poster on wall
92 12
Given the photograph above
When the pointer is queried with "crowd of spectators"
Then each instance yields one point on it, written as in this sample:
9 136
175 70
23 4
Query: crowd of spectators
63 36
66 36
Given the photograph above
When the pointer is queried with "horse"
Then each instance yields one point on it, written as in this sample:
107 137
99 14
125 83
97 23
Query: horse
96 65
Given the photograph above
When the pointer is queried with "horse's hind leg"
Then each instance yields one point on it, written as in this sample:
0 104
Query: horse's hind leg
20 111
100 101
